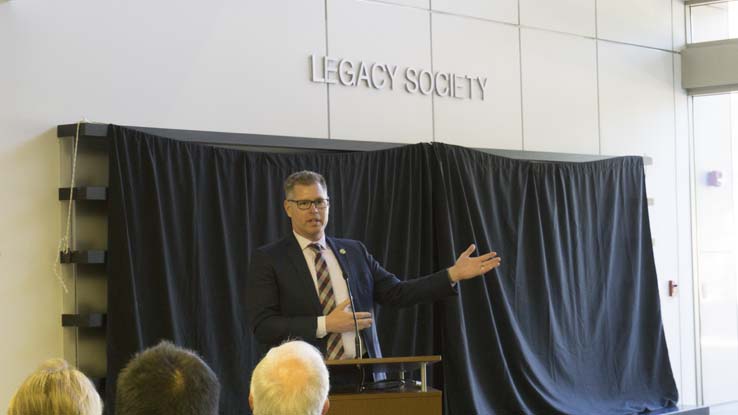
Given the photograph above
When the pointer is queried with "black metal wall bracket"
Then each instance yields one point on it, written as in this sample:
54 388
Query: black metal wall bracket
83 257
92 193
90 320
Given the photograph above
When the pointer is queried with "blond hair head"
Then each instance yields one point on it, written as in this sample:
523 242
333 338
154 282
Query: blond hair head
56 388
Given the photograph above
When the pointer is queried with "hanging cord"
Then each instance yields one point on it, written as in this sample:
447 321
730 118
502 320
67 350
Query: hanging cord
64 240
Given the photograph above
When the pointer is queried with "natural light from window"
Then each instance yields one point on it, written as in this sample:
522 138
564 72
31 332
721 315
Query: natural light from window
714 21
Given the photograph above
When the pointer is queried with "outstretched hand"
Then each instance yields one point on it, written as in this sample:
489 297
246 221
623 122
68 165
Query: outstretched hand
467 267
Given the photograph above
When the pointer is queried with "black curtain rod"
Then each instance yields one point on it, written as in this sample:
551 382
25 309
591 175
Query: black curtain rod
262 142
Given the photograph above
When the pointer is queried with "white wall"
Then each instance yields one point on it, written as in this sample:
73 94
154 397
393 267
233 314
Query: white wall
713 151
582 76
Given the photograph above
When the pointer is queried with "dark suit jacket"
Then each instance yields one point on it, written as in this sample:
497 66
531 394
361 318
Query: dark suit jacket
282 303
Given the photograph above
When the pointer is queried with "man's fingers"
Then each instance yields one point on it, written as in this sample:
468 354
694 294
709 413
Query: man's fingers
492 260
491 264
363 315
365 323
468 251
487 256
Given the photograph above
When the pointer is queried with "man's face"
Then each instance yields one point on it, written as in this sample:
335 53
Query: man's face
309 223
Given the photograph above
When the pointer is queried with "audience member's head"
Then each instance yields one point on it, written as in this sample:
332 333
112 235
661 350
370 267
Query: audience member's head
167 380
291 379
56 388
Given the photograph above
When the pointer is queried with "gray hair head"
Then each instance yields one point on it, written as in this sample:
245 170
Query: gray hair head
290 379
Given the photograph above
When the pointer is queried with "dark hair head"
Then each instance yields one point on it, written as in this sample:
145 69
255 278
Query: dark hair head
304 178
167 380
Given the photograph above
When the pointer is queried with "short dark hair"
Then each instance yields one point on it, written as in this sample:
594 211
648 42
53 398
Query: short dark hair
304 178
166 379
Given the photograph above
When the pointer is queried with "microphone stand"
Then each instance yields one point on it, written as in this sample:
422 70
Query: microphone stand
357 339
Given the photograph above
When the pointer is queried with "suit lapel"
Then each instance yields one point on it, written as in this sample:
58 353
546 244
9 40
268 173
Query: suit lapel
302 273
344 262
340 253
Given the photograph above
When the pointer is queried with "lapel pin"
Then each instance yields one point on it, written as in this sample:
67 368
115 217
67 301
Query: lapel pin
342 251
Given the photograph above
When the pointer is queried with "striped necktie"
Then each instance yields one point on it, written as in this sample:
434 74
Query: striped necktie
334 345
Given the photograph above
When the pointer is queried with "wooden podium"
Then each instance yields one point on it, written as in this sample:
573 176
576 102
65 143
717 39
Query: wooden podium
407 397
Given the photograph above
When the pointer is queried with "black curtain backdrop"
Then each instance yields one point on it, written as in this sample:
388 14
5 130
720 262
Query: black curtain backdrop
570 323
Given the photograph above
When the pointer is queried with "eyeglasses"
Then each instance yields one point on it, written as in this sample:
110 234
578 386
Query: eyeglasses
306 204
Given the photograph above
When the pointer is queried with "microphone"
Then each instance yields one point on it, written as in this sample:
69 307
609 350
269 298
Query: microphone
357 339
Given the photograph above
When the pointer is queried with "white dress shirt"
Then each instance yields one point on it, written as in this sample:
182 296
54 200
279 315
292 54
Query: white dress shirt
340 291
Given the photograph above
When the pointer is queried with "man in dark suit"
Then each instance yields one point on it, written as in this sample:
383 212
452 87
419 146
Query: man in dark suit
297 286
